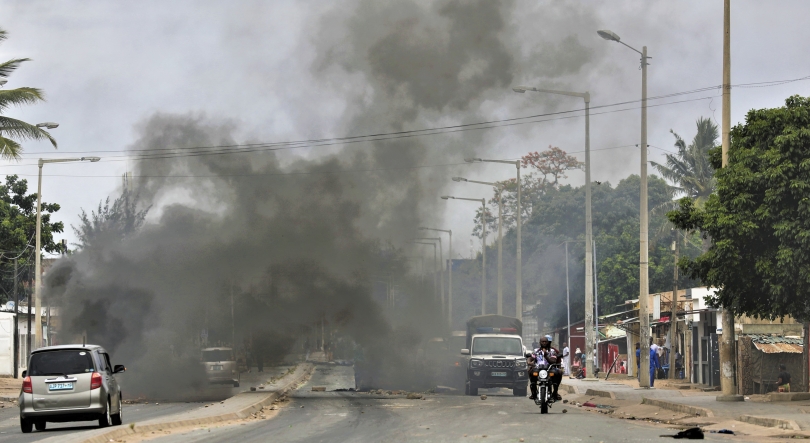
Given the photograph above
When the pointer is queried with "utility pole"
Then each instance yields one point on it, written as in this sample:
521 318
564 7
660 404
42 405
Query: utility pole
16 324
727 345
233 323
644 281
29 330
567 298
519 267
673 316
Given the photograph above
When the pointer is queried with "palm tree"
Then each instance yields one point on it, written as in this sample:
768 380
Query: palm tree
11 128
689 169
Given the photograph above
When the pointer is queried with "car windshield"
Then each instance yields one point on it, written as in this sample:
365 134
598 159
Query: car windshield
497 345
217 355
62 362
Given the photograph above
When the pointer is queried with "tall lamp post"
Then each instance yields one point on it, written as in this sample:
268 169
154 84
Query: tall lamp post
500 187
589 301
435 285
644 284
449 272
483 202
37 256
441 266
519 258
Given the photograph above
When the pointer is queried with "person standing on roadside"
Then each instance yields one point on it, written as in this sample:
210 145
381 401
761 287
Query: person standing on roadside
566 359
638 361
783 381
654 364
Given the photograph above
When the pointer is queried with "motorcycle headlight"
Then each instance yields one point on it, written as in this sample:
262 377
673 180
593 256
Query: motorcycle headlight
476 363
543 373
520 364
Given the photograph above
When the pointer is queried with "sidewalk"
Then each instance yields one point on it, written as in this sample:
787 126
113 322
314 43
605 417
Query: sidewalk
697 406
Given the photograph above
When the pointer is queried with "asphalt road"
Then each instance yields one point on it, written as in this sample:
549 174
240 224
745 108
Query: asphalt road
355 417
133 413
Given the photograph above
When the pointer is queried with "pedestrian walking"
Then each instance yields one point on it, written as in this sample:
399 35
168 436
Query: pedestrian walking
638 361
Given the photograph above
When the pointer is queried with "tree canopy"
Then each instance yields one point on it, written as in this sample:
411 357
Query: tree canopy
759 218
13 130
18 221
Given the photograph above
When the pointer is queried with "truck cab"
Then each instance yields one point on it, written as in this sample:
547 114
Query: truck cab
496 355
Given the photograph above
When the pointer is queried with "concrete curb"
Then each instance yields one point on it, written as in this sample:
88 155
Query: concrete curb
296 377
568 388
788 396
677 407
771 422
600 393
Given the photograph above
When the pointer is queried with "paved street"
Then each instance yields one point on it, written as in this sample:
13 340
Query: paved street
133 413
347 416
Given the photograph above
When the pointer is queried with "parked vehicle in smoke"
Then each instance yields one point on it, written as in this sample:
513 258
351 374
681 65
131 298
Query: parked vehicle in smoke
70 383
220 366
495 346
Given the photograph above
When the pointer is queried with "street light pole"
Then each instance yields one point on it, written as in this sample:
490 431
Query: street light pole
449 272
519 254
441 266
435 282
37 254
483 247
500 187
589 297
644 284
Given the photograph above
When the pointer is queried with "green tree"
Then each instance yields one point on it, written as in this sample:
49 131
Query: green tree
547 169
690 169
18 221
759 219
111 222
13 130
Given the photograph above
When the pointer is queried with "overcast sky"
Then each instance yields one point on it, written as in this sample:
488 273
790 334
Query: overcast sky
106 66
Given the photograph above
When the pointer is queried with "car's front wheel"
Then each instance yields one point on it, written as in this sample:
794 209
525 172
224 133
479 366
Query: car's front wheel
105 419
118 418
26 425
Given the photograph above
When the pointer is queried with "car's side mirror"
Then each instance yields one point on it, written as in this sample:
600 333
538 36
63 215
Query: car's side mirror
25 374
465 352
118 368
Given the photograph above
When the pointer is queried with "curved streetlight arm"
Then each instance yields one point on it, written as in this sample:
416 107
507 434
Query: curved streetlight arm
477 200
42 161
584 95
422 228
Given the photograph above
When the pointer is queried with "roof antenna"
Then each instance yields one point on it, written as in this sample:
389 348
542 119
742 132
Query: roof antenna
84 340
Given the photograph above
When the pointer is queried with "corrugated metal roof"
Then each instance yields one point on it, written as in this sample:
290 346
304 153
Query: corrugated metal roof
778 348
770 344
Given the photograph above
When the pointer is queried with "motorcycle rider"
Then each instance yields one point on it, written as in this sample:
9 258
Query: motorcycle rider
546 354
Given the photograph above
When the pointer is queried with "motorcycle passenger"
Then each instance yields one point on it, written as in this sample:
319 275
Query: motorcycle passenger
546 354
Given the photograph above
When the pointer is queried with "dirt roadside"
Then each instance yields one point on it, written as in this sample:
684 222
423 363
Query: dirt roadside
671 422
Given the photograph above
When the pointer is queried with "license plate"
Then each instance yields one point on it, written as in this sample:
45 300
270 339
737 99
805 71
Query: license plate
216 367
498 374
59 386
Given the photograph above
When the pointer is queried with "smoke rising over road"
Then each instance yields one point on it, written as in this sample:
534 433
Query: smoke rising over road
297 238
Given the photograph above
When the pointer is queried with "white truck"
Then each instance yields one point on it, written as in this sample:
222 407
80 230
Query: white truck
496 355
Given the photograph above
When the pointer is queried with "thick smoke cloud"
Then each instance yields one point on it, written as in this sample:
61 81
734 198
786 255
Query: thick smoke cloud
297 238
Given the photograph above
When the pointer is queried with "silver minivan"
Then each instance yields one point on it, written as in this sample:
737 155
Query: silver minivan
220 366
70 383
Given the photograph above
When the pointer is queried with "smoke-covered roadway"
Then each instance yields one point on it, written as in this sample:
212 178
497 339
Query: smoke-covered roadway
350 417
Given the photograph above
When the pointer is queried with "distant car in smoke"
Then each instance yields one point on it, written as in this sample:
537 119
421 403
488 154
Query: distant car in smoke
220 366
70 383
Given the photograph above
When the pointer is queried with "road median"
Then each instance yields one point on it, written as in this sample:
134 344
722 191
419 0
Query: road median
678 407
237 407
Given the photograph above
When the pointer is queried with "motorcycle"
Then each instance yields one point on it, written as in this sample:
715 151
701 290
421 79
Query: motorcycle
545 398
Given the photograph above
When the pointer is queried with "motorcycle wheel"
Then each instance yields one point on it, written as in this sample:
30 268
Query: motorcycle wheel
543 400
